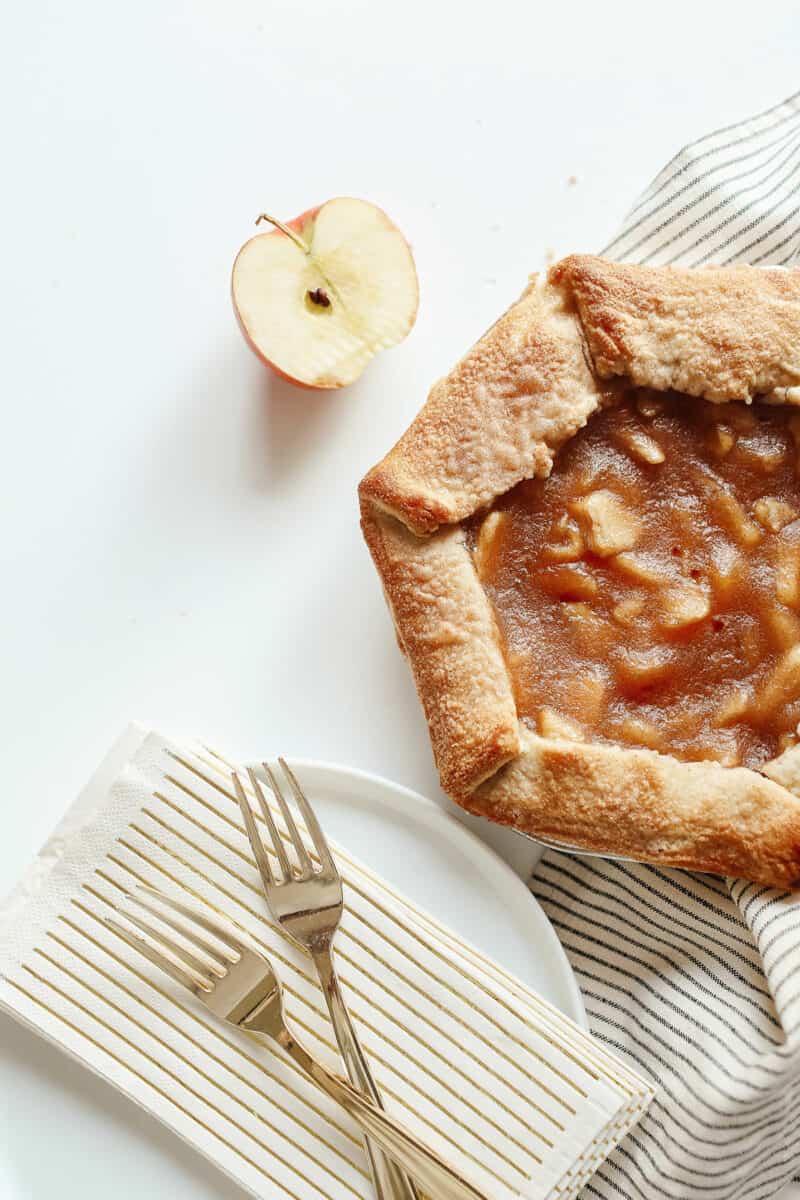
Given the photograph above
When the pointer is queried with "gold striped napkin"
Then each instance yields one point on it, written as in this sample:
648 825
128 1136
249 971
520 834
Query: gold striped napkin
500 1083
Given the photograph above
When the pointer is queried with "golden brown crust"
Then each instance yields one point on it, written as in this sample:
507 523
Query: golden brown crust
648 806
447 629
497 418
725 333
785 769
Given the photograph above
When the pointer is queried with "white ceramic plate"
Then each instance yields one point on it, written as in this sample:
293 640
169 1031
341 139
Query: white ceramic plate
430 857
66 1133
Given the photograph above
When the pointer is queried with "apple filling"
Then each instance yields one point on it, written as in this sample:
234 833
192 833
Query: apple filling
648 591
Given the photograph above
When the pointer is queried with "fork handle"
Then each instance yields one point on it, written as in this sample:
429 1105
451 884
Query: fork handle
391 1183
435 1176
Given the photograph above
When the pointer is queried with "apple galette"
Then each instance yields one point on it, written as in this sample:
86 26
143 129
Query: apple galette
589 539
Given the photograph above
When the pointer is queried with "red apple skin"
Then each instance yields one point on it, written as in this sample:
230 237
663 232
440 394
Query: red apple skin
296 224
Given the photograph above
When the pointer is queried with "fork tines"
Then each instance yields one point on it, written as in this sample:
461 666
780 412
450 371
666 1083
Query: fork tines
305 869
174 936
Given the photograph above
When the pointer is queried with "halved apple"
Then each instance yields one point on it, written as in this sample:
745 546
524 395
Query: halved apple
319 296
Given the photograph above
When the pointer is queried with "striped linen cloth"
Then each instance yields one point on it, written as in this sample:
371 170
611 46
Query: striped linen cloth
695 981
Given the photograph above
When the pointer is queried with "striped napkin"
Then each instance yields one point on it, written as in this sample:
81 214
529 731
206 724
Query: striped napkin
696 981
514 1094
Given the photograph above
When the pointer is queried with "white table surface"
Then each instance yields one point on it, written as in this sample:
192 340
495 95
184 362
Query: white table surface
179 528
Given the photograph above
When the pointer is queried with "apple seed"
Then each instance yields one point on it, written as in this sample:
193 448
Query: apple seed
319 296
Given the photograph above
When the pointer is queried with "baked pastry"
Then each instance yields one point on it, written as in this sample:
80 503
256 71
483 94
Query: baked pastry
589 540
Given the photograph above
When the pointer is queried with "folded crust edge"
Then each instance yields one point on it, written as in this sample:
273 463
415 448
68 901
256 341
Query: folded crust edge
643 805
499 417
448 632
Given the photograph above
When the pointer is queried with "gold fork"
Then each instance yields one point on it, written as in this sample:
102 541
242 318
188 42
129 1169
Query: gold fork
307 904
238 984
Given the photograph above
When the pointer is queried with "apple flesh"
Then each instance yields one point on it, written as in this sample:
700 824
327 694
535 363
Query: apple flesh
318 297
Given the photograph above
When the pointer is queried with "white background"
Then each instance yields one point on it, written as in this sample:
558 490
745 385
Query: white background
179 529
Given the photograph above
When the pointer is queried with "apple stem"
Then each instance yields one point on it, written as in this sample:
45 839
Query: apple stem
284 229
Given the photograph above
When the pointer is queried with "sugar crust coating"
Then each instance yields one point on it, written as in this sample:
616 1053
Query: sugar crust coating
529 384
